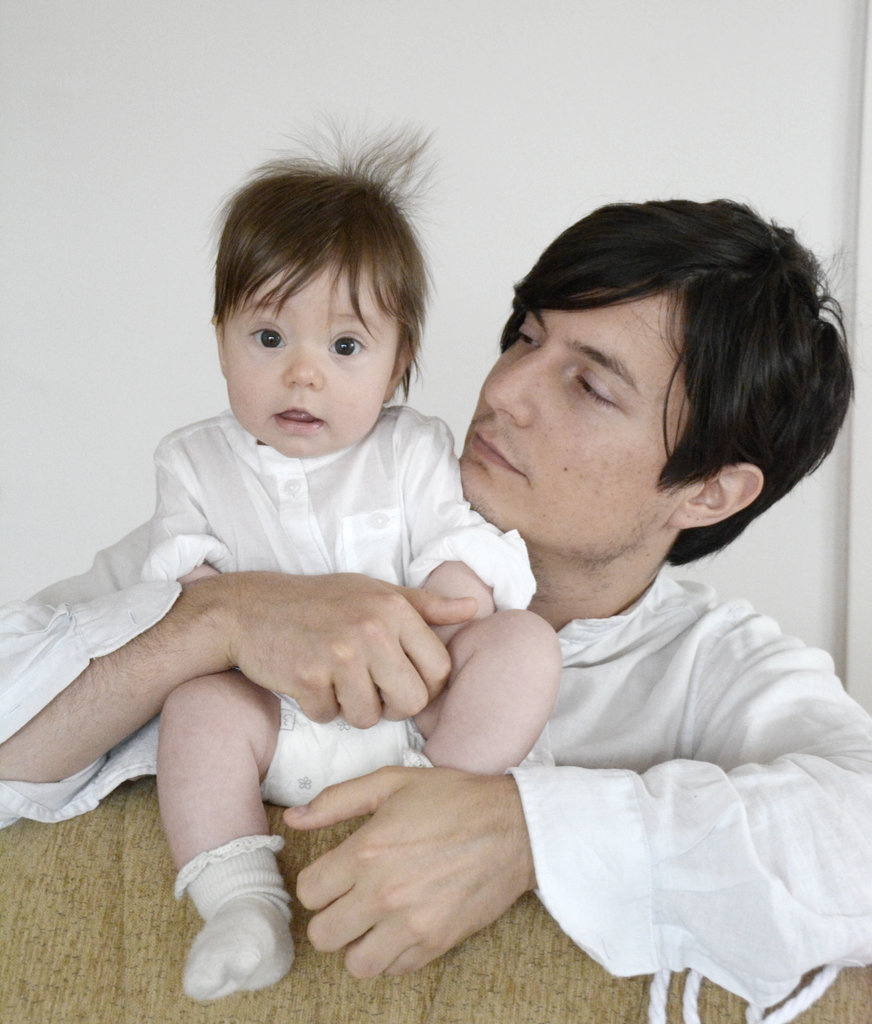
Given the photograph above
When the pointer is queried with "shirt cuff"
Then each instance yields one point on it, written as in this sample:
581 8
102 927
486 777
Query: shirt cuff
589 849
43 648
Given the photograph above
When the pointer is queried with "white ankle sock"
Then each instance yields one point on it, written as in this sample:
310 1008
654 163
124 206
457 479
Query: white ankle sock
245 943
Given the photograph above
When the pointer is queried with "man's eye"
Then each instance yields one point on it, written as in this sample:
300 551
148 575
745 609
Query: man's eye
593 393
345 346
269 339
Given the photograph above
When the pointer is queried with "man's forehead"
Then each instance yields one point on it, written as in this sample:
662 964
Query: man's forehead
630 340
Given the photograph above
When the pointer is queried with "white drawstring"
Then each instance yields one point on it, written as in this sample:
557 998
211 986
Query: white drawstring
657 995
799 1003
690 1002
804 998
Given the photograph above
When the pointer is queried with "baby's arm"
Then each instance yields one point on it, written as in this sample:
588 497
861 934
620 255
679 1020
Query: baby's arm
454 579
505 676
182 544
197 574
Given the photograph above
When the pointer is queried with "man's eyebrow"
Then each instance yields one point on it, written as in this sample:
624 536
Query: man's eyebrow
603 359
607 362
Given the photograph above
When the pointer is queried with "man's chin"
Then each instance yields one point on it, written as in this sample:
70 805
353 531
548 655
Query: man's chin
478 501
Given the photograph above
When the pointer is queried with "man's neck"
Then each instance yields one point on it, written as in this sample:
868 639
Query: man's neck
567 591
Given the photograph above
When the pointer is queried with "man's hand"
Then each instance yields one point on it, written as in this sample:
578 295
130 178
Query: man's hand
444 854
339 644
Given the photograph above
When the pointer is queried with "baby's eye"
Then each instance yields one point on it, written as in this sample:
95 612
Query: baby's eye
345 346
269 339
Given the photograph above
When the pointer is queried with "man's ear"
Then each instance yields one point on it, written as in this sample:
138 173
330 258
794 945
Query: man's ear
729 491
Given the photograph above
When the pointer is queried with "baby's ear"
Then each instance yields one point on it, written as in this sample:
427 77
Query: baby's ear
391 389
733 488
400 367
219 334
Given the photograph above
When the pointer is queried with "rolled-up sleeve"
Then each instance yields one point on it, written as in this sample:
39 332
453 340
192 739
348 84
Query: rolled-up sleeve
44 645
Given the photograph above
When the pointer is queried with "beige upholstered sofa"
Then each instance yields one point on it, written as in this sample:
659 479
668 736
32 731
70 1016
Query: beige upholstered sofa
90 933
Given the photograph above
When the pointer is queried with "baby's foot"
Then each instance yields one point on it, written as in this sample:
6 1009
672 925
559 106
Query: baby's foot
247 945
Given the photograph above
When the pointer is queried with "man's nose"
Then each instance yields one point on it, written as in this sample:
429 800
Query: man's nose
513 386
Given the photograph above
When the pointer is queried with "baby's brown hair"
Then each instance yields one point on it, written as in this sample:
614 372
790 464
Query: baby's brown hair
297 217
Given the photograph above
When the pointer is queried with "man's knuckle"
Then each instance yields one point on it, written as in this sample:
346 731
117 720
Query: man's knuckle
367 853
373 629
359 965
366 718
307 671
315 933
396 602
342 651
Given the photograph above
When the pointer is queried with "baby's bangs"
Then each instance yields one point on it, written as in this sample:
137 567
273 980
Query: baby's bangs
364 266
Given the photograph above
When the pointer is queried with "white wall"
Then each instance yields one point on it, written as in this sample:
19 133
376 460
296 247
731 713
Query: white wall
124 125
859 639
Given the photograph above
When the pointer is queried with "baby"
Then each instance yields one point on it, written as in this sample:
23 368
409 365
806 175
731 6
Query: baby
319 303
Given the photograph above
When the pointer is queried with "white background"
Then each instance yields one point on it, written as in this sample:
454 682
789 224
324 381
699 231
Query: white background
124 125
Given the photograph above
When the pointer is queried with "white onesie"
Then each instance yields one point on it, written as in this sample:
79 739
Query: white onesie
390 506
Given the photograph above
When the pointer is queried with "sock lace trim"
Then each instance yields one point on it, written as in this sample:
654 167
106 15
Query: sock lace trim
245 844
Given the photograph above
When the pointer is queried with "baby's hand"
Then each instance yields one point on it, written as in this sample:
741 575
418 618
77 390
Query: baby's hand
198 574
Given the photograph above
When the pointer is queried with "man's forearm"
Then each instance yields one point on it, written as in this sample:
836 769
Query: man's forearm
121 691
339 644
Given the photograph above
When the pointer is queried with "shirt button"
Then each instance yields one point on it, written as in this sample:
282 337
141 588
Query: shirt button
292 488
379 521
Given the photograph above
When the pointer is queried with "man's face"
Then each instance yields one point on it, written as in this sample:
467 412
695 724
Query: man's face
567 443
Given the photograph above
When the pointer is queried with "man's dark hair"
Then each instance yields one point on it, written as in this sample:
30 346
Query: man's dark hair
762 357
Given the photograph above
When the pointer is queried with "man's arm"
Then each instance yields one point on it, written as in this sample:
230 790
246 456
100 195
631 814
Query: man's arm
749 864
338 644
445 854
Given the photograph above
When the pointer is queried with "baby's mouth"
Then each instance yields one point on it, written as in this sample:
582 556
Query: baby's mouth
298 421
298 416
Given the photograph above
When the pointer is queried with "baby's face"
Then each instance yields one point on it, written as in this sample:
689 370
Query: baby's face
310 377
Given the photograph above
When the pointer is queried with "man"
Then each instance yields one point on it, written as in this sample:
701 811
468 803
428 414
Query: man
669 370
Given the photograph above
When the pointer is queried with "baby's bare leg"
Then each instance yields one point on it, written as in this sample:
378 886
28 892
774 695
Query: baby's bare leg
506 677
217 738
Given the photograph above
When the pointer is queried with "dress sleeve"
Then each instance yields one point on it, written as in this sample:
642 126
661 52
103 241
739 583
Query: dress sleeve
443 527
46 642
749 860
180 537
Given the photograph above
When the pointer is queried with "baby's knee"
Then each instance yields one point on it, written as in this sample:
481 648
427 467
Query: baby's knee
518 634
226 696
195 693
517 626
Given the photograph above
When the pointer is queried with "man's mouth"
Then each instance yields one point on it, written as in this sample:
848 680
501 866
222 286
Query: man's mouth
488 451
